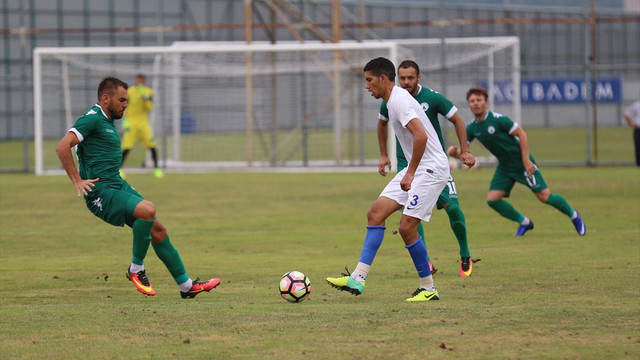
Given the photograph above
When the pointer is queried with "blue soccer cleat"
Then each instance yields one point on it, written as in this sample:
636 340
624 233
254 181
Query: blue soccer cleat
581 228
524 228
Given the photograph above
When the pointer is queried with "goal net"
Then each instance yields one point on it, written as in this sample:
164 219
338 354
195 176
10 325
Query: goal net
231 105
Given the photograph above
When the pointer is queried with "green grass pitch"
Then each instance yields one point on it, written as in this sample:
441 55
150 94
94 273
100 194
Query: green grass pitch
548 295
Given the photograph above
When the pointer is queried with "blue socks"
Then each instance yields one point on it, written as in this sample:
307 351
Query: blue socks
372 241
418 252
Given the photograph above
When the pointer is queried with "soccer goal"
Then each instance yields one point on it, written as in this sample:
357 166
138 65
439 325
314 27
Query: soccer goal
231 105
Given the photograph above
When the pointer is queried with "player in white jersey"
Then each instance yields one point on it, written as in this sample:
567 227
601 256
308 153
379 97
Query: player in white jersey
415 189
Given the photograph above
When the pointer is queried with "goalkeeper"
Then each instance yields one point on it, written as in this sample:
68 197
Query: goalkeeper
136 122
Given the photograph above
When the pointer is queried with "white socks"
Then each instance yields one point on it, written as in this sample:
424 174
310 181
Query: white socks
135 268
361 272
427 283
186 286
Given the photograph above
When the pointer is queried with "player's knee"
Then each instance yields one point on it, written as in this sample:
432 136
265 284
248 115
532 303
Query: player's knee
405 231
374 217
543 195
145 210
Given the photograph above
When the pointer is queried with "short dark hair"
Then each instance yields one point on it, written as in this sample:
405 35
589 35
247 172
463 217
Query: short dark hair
110 85
478 91
381 66
409 64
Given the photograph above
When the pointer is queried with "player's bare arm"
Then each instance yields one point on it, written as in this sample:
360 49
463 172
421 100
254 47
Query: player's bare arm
385 162
524 150
454 151
420 139
631 124
83 187
464 155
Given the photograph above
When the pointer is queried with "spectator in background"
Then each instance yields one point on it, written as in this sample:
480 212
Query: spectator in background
632 116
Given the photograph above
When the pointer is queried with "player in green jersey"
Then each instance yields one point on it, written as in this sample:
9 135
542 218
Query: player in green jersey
111 198
509 143
434 103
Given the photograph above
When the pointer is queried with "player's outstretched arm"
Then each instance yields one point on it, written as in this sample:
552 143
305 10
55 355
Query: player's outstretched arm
383 133
453 151
66 158
464 154
524 149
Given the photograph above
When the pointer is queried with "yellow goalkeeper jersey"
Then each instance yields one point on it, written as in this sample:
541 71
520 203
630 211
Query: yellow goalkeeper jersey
140 104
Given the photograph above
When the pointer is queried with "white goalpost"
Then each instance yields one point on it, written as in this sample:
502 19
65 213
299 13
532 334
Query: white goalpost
231 105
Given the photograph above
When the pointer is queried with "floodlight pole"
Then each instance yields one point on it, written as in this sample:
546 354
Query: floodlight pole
594 81
337 102
249 80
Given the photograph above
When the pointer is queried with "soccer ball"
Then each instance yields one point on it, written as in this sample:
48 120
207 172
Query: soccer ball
295 286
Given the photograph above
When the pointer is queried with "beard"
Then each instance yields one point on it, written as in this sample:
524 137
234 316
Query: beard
115 113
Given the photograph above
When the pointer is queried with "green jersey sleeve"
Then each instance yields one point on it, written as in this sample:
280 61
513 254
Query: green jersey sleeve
384 112
85 125
469 130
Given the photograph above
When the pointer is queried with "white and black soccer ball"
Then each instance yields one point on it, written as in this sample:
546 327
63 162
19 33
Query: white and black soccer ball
295 286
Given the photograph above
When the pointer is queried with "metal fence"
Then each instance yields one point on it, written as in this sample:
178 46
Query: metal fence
560 45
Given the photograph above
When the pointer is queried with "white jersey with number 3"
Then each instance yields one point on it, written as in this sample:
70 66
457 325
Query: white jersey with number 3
402 109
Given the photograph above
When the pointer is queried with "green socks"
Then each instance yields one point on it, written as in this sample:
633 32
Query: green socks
171 259
141 239
558 202
459 227
506 210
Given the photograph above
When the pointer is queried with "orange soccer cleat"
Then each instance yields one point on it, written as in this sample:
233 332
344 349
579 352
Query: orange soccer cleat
200 286
141 282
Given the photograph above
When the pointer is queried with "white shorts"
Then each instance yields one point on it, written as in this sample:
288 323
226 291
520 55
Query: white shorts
425 189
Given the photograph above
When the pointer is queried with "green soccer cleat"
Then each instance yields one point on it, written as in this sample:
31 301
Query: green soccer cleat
422 294
346 283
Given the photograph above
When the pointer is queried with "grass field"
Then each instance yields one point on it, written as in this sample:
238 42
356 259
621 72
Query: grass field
548 295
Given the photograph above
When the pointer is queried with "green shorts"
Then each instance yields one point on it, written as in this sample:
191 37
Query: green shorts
114 204
504 180
449 194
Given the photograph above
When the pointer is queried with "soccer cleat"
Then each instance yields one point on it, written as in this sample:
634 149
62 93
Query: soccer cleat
422 294
200 286
466 267
346 283
141 282
524 228
122 174
158 173
581 228
432 268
